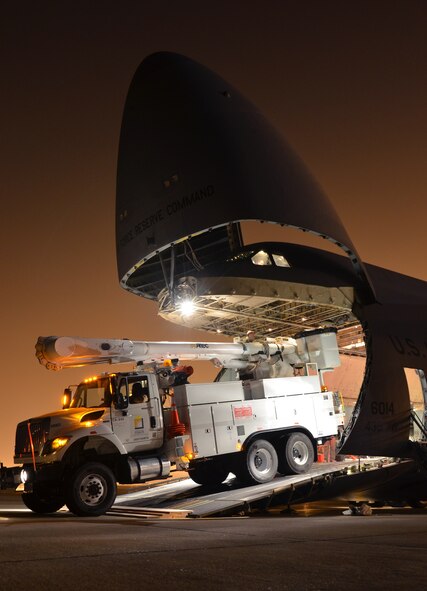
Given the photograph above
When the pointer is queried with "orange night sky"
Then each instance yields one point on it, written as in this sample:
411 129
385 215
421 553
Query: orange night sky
345 82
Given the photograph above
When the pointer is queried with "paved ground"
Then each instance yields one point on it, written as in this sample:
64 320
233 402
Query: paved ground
316 548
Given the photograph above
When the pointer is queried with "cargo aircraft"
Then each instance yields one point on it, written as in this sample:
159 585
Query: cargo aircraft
196 161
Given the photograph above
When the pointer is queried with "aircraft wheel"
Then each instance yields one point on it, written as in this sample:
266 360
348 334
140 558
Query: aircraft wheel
297 454
91 490
258 464
208 473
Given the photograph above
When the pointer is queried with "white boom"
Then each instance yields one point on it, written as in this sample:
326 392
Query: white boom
58 352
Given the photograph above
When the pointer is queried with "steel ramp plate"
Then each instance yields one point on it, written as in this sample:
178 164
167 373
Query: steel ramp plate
232 498
240 499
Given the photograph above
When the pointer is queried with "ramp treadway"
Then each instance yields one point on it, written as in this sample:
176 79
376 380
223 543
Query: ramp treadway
232 498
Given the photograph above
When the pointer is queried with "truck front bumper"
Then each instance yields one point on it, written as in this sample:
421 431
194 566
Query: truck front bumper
41 475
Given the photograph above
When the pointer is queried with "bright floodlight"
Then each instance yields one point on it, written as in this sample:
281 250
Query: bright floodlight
187 307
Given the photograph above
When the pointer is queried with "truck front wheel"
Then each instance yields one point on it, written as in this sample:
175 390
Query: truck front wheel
91 490
42 503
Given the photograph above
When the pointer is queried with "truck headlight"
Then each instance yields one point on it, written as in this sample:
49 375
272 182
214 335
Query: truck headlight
54 445
23 476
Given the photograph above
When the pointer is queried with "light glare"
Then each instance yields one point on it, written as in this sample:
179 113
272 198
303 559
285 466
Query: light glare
187 307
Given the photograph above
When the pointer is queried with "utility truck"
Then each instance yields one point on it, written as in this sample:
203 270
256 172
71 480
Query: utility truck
256 420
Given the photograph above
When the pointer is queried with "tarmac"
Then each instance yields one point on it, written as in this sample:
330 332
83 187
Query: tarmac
314 547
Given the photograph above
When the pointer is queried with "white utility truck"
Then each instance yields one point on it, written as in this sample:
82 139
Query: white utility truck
131 427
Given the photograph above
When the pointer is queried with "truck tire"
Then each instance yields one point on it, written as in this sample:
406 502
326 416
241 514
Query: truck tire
91 490
208 473
40 503
296 454
259 463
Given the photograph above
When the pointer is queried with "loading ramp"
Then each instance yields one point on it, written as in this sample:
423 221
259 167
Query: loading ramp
347 480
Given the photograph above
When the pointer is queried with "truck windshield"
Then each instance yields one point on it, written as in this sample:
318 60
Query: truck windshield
92 394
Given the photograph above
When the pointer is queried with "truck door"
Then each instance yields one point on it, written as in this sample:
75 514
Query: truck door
140 425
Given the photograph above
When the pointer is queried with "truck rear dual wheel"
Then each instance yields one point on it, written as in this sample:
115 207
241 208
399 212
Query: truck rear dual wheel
40 502
296 454
208 473
90 490
258 464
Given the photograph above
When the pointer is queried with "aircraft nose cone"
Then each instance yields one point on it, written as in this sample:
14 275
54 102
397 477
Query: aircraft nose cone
194 155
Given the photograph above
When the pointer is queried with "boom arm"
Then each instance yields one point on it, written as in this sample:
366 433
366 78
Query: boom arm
58 352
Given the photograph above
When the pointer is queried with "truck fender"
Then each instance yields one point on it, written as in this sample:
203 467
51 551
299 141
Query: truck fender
89 447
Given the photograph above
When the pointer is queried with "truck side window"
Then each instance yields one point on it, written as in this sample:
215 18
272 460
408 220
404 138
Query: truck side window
138 391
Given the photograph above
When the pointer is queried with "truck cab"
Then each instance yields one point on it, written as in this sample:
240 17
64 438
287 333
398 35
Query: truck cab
114 420
121 408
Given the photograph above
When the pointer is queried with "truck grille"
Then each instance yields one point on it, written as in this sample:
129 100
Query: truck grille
39 433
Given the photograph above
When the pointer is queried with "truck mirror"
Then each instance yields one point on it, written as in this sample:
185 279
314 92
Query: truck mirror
66 398
121 402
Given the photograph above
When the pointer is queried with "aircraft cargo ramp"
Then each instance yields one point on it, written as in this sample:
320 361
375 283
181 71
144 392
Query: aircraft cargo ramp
370 479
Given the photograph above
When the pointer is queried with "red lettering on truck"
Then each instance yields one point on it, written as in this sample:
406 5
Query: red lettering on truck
241 412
